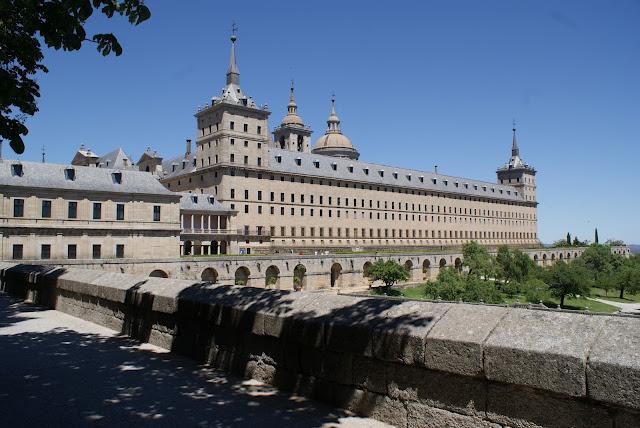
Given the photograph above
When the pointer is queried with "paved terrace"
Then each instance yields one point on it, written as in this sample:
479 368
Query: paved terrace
58 370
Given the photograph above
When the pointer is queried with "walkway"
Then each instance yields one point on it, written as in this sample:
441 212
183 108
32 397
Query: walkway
57 370
629 308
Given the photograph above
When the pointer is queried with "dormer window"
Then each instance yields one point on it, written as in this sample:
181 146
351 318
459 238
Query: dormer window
434 181
484 188
334 166
446 182
279 159
466 185
395 175
194 199
16 170
173 167
298 161
316 164
381 172
493 190
350 168
117 177
70 174
366 171
184 164
456 184
212 200
421 178
409 177
475 187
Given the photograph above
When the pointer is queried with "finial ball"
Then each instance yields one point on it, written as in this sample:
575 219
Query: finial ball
233 38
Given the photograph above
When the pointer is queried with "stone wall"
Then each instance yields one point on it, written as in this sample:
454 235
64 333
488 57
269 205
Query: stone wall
411 364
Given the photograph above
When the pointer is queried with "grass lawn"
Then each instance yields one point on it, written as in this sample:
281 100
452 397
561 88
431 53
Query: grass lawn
569 303
613 296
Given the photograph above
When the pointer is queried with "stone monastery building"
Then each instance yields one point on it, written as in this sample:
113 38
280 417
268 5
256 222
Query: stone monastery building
289 193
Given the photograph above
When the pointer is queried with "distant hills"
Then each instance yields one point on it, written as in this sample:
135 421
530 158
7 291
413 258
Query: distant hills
635 248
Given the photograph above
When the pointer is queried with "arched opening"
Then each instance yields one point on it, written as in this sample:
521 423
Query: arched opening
282 145
299 277
443 262
242 276
188 247
575 255
426 267
553 257
336 274
408 264
210 275
458 263
535 258
146 168
568 255
272 277
366 269
561 256
158 273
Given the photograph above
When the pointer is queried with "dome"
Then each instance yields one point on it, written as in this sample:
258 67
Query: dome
333 142
292 117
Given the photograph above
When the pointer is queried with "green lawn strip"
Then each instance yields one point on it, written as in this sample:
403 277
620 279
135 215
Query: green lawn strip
613 296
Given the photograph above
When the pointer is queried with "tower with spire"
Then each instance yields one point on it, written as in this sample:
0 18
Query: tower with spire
334 142
232 129
518 173
292 134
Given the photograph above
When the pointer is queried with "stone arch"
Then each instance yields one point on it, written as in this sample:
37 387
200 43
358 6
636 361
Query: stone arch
188 248
426 269
561 256
242 275
366 268
299 277
458 263
209 275
272 277
575 255
443 262
553 257
535 258
336 274
409 265
158 273
568 256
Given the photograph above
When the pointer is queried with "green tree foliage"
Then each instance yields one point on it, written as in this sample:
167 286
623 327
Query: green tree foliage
389 272
627 276
614 242
453 285
513 266
60 24
568 239
596 240
477 259
601 262
568 279
535 290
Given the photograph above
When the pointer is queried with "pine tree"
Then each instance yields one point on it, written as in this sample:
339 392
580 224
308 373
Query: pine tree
568 239
596 240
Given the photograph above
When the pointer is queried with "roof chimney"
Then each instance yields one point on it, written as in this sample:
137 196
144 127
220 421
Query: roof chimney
188 152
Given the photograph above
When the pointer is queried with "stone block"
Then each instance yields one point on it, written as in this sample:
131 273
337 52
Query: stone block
424 416
455 343
370 374
625 419
401 333
613 369
519 407
542 349
382 408
347 397
459 394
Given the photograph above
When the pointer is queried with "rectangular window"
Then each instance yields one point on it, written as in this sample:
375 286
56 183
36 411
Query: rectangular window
97 210
17 252
45 251
259 129
72 211
232 158
120 251
72 251
18 207
233 193
246 194
119 211
156 213
246 128
246 160
259 161
95 252
232 125
46 209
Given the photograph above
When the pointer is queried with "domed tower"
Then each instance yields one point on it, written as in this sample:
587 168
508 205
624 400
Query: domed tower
292 134
518 173
333 142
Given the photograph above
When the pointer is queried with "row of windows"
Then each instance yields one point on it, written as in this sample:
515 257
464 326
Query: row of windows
72 251
398 233
339 201
232 126
72 210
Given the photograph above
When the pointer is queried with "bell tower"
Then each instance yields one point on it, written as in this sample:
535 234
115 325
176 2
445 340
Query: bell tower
292 134
518 173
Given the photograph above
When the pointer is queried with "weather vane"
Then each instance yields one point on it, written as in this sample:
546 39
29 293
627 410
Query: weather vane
234 28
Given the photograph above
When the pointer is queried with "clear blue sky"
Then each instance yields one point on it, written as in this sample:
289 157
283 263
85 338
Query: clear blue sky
416 84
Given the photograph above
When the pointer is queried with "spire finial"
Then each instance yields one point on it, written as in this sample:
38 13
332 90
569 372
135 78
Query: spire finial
515 151
233 74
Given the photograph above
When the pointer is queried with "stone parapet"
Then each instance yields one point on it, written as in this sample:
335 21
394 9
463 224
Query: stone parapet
407 363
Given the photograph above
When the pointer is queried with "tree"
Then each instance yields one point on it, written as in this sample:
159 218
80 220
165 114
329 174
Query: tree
596 240
60 25
568 239
599 260
568 279
535 290
627 277
477 259
614 242
389 272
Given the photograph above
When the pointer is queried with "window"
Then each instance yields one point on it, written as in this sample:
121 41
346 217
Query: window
120 251
156 213
117 177
119 211
246 160
70 174
245 128
259 129
232 125
97 210
232 158
95 252
16 170
72 211
46 209
18 207
233 142
259 161
17 252
233 193
246 194
72 251
45 251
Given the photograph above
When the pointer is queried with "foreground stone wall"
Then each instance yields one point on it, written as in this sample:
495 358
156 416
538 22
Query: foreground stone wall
411 364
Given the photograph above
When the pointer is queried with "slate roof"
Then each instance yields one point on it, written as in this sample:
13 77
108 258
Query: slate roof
203 203
168 171
347 169
87 179
116 159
